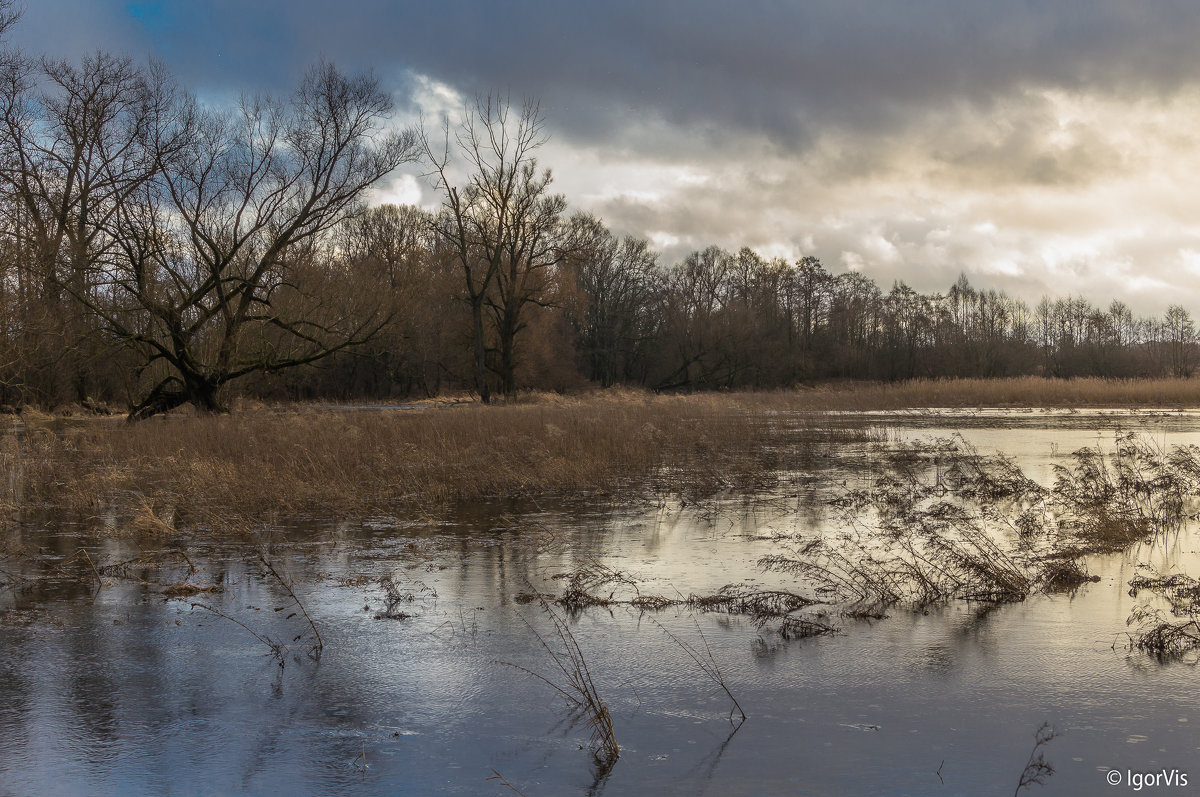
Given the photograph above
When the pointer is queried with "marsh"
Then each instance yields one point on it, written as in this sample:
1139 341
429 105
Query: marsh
424 684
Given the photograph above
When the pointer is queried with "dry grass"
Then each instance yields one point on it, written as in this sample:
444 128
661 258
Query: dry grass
258 463
1157 633
940 521
574 684
1162 637
1138 490
1037 768
1022 391
268 461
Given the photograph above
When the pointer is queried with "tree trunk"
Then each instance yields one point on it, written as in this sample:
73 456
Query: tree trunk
480 365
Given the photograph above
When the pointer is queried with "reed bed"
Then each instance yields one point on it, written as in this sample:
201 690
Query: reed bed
271 461
268 462
938 521
917 394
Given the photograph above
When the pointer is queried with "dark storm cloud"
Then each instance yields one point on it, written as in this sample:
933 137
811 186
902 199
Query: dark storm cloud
784 70
1035 146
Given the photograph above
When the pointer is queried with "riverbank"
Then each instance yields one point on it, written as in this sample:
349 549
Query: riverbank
260 461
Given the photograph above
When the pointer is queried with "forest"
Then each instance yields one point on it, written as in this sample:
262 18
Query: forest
156 251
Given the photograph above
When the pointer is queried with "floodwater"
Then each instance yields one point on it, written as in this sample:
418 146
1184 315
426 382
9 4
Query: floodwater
116 689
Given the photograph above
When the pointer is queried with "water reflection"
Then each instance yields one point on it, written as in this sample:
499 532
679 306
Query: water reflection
116 689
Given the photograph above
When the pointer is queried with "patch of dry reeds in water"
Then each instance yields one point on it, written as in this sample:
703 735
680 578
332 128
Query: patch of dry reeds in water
254 463
258 462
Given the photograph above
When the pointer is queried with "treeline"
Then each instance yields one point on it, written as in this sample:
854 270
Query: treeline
156 251
612 314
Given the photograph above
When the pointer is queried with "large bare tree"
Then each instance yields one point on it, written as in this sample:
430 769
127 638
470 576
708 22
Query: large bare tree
214 275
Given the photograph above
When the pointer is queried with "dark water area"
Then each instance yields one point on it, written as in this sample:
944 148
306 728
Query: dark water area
117 689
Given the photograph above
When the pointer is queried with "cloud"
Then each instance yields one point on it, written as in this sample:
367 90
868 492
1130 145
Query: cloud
783 70
1037 147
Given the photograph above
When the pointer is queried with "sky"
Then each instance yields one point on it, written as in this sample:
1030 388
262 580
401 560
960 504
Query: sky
1039 148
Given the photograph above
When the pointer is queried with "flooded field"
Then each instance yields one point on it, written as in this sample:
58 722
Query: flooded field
416 656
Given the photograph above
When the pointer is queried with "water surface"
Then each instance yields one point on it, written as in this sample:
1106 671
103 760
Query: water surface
118 690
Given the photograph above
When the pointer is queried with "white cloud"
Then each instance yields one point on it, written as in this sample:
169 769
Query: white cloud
404 189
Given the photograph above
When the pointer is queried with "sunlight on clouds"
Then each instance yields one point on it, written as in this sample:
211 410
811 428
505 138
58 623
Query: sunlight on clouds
1189 260
404 189
1043 191
1069 256
852 261
1038 190
590 178
662 240
879 249
433 98
1146 284
1004 267
781 251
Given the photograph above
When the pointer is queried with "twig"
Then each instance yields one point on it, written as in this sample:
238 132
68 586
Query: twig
1037 769
504 782
362 757
278 649
710 668
319 645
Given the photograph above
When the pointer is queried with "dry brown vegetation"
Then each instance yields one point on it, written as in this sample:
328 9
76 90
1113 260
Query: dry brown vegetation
574 683
261 461
586 585
252 464
936 521
1155 631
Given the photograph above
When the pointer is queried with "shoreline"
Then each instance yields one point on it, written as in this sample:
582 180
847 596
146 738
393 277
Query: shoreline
265 461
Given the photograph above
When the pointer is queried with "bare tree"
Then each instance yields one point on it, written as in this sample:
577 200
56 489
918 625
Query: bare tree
616 281
1181 340
75 144
10 14
501 221
207 286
